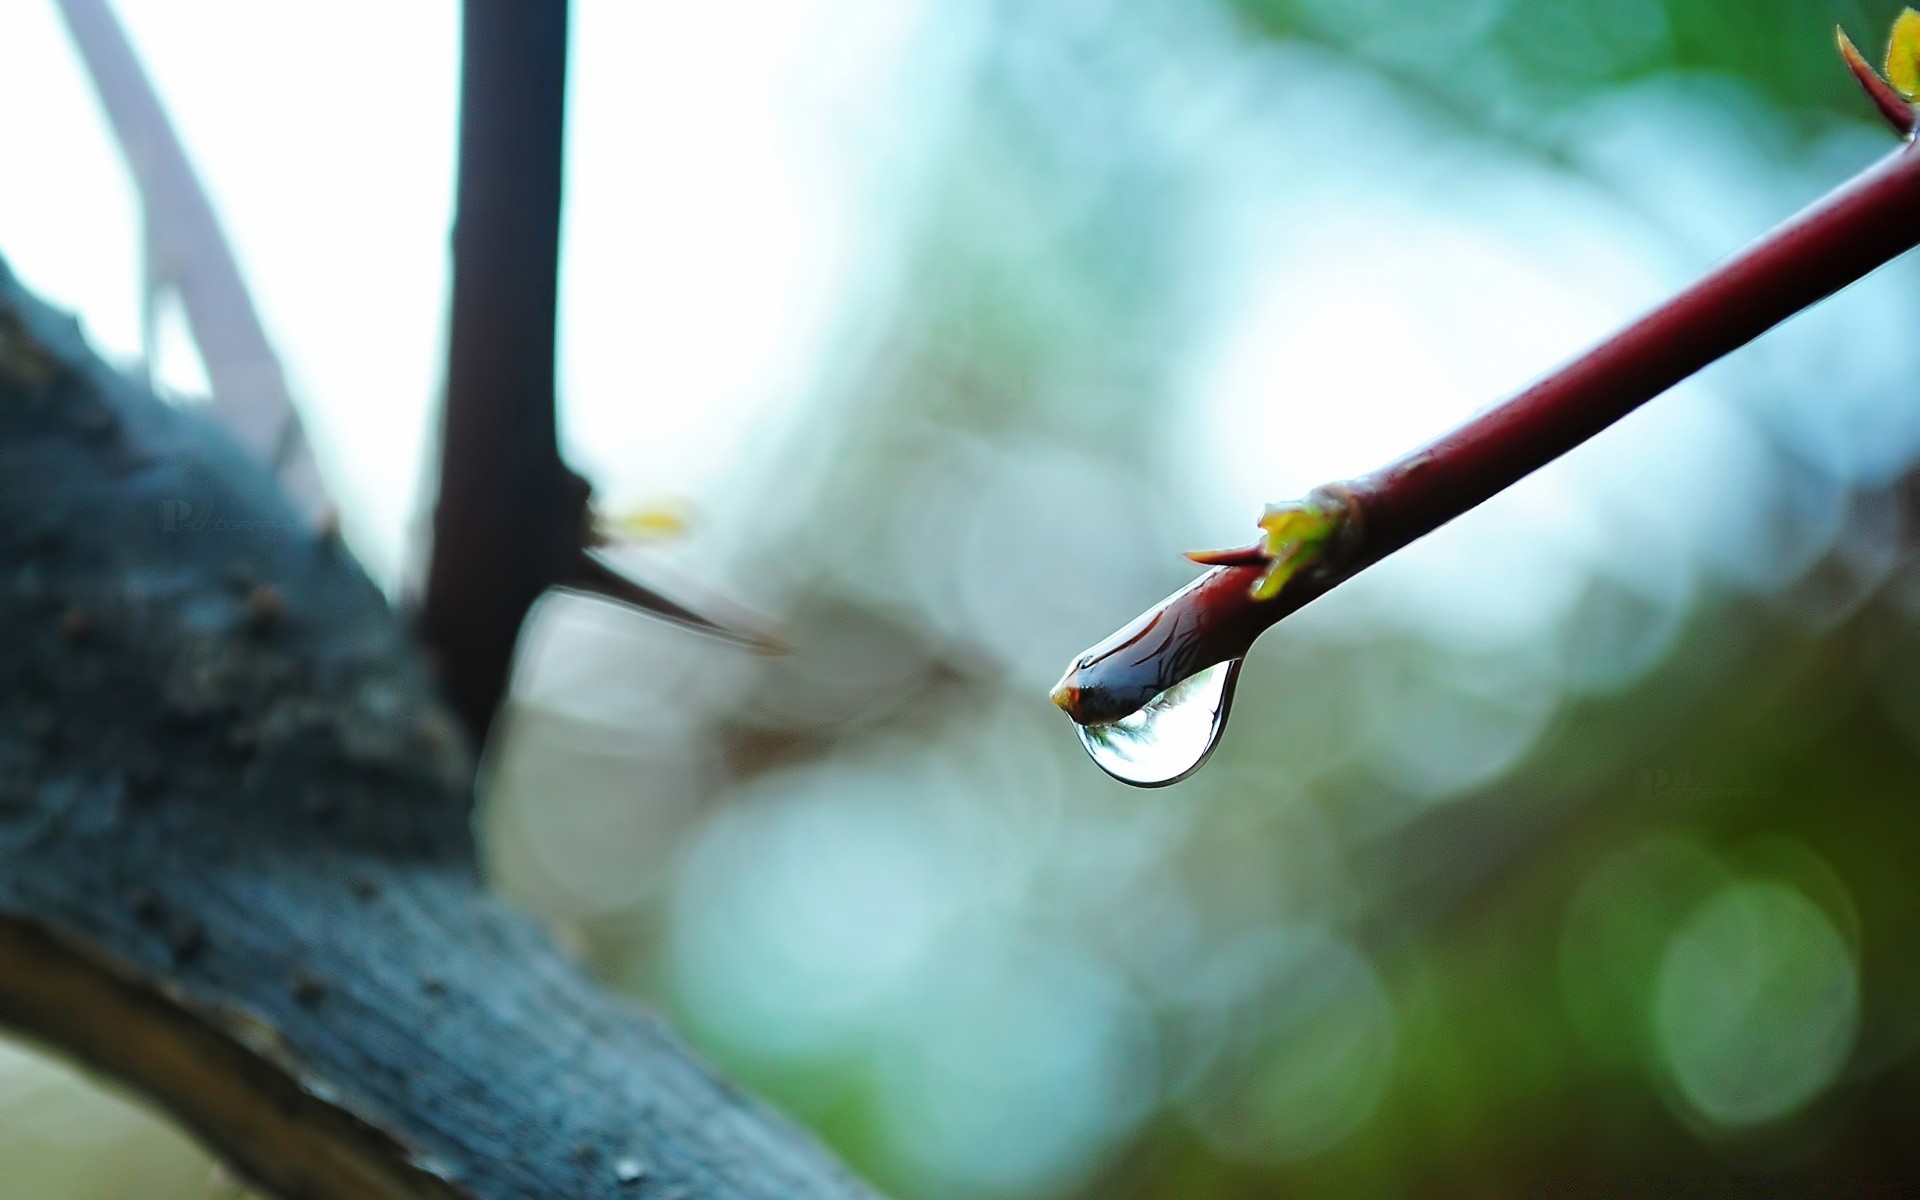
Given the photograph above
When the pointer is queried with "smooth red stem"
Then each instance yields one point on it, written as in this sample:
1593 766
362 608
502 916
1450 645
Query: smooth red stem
1844 236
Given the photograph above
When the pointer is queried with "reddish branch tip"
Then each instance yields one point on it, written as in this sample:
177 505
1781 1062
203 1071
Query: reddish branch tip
1842 237
1897 109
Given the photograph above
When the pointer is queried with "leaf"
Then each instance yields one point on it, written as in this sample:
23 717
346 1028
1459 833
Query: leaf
1295 535
1903 54
659 521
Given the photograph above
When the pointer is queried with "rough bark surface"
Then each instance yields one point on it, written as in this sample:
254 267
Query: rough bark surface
236 868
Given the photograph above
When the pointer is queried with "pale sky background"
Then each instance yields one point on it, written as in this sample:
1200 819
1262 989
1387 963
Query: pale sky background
715 152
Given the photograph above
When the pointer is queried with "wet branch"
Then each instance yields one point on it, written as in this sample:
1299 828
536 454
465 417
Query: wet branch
1341 529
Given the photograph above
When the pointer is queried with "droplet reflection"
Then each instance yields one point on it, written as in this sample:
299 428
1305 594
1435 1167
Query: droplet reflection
1167 740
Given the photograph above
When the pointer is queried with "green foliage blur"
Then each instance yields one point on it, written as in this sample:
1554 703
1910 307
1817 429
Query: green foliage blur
1564 50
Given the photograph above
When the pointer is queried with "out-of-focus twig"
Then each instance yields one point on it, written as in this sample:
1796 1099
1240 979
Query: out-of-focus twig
508 511
187 253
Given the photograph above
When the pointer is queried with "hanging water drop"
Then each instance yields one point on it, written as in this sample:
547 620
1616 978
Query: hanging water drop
1167 740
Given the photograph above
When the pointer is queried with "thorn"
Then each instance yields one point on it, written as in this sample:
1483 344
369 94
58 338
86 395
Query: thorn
1898 111
1241 556
594 575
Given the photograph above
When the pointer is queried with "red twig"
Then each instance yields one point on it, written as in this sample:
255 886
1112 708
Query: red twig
1841 238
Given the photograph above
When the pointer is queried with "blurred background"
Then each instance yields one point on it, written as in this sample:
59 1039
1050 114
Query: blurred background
1570 850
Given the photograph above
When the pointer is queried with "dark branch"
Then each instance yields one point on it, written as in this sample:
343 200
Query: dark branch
512 519
510 514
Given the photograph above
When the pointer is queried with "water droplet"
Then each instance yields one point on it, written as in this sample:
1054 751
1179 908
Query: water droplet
1167 740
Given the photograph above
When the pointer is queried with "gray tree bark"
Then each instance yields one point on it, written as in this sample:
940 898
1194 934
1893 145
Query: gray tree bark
236 866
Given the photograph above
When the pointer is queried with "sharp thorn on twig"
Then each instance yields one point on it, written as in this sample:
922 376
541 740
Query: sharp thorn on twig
592 574
1897 109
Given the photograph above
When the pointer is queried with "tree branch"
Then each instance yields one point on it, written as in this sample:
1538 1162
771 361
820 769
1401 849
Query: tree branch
509 513
236 870
1342 529
512 519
